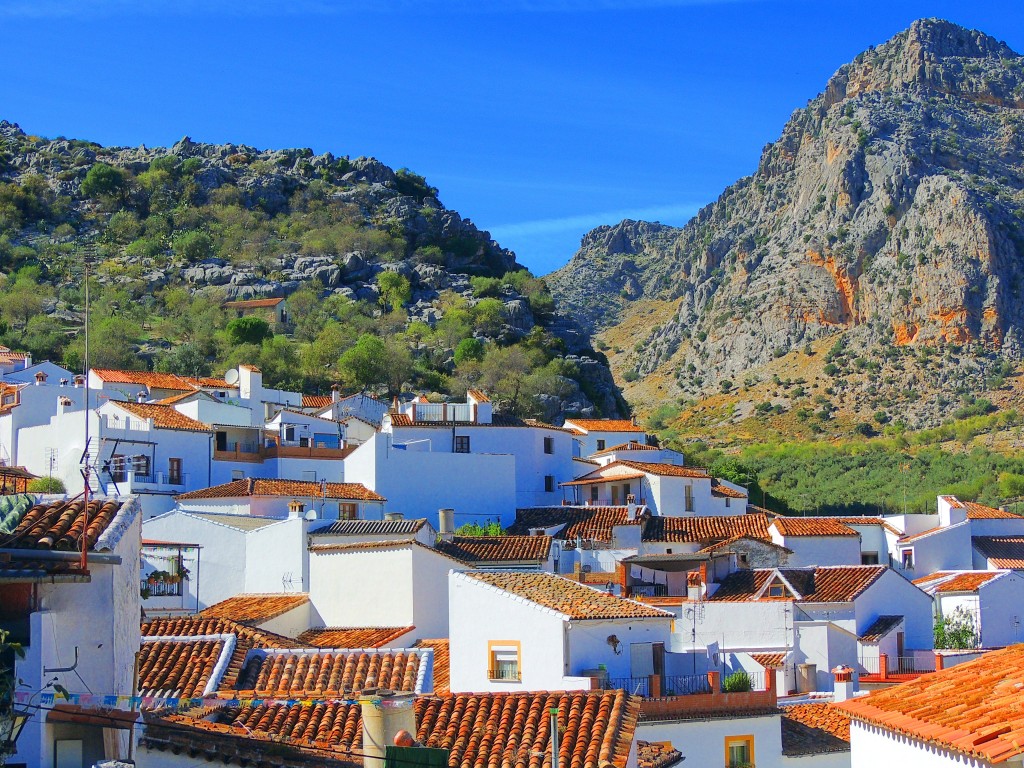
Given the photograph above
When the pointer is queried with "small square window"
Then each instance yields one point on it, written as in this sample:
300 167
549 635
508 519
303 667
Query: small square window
549 483
504 664
907 558
462 444
869 558
776 590
739 751
600 445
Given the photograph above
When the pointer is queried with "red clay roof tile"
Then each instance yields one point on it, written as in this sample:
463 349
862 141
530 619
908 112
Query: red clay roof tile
353 637
255 608
163 416
706 530
302 489
314 672
442 664
59 525
828 584
1001 551
811 729
811 526
604 425
578 522
973 708
496 549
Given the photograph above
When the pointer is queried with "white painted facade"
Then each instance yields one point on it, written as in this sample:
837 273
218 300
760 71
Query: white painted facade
479 486
872 746
818 550
236 556
101 620
702 741
555 651
405 584
995 607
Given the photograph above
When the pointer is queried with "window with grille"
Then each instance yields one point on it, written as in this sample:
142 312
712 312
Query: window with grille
549 445
462 444
504 663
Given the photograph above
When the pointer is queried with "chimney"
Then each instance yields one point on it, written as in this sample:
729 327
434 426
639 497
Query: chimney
40 378
446 523
334 393
295 508
63 403
384 714
141 397
63 382
395 408
393 517
79 381
844 687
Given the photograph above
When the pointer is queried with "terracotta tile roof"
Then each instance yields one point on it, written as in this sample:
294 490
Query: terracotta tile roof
371 527
183 396
486 730
360 545
956 581
59 525
1002 551
881 627
352 637
828 584
631 445
327 673
477 395
604 425
656 754
301 489
868 521
579 522
155 380
442 664
953 501
770 660
497 420
706 530
253 303
977 511
659 468
163 416
255 608
597 479
570 598
726 543
811 729
973 708
246 638
497 549
177 667
316 401
811 526
724 491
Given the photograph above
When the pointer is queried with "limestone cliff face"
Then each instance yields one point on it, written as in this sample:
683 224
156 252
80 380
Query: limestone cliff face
891 207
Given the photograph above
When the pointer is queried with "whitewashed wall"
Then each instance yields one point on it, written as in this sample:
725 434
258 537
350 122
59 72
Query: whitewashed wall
872 747
702 741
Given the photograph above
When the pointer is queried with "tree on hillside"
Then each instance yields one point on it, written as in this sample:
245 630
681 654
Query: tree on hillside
248 330
394 290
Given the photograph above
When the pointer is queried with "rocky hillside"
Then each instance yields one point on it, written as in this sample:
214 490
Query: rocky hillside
173 233
888 219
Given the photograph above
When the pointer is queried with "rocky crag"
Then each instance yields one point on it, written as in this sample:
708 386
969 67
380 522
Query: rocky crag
388 221
890 214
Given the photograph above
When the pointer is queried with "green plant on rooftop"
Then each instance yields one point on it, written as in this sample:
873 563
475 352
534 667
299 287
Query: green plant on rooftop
737 682
957 630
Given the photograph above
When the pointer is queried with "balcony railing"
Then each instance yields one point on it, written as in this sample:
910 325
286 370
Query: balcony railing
162 588
504 674
685 685
649 590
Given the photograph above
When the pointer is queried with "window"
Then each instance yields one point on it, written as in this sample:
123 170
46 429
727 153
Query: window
869 558
907 558
174 471
117 468
728 501
462 444
140 465
739 751
503 660
594 494
238 474
549 483
744 560
776 590
347 511
549 445
689 497
600 445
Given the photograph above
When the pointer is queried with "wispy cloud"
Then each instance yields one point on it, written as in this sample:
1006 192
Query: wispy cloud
677 214
44 9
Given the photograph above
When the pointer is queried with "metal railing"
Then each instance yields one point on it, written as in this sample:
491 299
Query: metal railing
162 588
908 665
649 590
504 674
685 685
757 681
638 686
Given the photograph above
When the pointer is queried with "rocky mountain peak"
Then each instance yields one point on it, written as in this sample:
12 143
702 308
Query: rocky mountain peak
938 56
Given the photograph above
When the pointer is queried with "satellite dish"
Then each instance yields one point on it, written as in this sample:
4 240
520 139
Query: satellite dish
231 376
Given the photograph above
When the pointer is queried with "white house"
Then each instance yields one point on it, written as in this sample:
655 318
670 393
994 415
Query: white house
816 541
816 616
637 451
594 435
264 497
990 598
967 716
669 490
79 626
515 631
392 583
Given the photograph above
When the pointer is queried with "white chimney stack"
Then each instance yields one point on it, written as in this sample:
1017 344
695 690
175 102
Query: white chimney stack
446 523
844 687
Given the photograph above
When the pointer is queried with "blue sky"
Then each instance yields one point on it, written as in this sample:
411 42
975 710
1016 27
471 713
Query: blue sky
537 119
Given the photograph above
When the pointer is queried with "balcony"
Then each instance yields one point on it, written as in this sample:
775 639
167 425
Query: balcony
670 697
160 588
896 669
507 674
296 451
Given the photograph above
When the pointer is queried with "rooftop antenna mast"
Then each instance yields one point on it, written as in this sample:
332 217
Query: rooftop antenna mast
84 562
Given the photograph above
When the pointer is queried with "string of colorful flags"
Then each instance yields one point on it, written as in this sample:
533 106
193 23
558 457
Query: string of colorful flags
114 701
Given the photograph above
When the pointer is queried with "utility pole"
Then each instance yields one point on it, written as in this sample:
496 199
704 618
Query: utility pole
554 736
